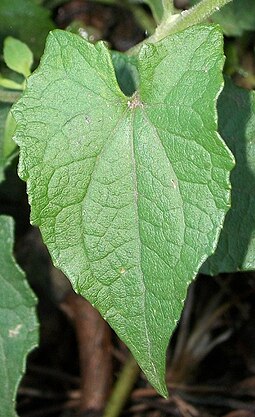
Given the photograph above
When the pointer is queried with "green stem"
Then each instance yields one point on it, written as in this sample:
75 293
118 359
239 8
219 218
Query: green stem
187 18
178 22
122 389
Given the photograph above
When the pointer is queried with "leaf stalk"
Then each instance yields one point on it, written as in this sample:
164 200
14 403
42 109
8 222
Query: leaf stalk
187 18
173 23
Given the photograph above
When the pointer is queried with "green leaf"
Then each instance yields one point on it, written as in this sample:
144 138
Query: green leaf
8 96
18 324
126 72
236 247
26 21
18 56
235 17
130 193
12 85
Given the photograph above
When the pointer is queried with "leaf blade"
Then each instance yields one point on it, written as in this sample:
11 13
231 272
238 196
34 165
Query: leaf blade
18 322
18 56
93 205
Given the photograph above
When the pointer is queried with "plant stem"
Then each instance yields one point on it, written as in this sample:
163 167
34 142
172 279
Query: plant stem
122 388
178 22
187 18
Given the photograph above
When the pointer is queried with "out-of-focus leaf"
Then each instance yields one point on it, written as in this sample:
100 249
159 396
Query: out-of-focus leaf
236 247
235 17
18 56
7 83
27 21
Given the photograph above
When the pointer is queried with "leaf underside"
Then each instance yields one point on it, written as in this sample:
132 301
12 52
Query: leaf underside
18 324
130 193
236 247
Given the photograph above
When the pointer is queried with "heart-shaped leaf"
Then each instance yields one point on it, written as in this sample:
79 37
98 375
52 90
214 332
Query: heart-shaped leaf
130 193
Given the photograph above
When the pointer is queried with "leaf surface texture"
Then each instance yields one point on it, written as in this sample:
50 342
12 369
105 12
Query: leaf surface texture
130 193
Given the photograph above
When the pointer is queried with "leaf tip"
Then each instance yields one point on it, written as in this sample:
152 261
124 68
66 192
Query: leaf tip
156 376
163 391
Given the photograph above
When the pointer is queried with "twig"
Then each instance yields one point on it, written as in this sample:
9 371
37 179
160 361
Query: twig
151 392
55 374
41 393
42 412
94 344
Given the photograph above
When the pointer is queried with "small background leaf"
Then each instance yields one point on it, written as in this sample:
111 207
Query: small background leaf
10 84
18 56
27 21
236 247
18 323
